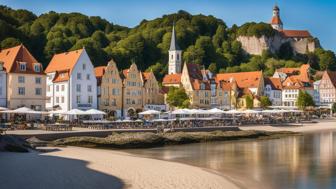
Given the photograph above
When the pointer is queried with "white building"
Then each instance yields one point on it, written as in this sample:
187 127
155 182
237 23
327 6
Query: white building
291 88
317 92
3 86
273 90
71 81
175 56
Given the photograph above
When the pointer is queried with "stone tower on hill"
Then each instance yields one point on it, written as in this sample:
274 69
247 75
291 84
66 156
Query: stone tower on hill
276 21
301 41
175 55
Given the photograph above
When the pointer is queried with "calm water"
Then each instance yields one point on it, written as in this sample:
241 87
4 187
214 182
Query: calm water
307 161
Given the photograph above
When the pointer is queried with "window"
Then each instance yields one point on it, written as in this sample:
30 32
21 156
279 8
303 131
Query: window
178 57
57 88
37 67
88 77
21 79
84 66
90 99
89 88
49 88
62 87
79 76
22 66
113 102
21 91
78 88
78 101
38 91
37 80
62 99
57 99
0 90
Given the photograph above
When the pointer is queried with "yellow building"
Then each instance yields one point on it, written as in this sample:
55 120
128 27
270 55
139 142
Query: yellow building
26 81
111 90
151 91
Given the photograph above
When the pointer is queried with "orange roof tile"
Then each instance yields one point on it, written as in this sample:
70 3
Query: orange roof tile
12 56
125 72
146 75
99 71
243 79
274 82
276 20
296 33
61 76
64 61
172 79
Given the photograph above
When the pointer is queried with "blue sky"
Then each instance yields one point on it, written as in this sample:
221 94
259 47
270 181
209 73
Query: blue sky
317 16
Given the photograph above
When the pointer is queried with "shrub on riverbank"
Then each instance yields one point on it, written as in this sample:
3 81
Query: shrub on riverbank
147 140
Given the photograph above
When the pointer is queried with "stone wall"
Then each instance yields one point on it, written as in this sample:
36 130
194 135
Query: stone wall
255 46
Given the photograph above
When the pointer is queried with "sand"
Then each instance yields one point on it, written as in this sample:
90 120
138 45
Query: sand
308 127
74 167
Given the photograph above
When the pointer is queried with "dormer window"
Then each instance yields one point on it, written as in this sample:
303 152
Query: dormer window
62 75
37 68
23 66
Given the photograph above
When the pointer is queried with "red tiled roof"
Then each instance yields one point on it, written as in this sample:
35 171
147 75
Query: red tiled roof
274 82
172 79
332 76
99 71
276 20
196 84
64 61
125 73
296 33
243 79
146 75
12 56
61 76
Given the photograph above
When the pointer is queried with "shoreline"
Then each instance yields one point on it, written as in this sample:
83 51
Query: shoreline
125 170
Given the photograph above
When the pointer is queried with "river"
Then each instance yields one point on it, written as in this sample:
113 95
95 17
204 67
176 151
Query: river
307 161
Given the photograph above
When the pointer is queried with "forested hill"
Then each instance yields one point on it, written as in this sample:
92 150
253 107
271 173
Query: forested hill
205 40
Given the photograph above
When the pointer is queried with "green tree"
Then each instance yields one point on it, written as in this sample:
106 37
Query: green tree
9 42
249 101
333 108
304 100
265 102
177 97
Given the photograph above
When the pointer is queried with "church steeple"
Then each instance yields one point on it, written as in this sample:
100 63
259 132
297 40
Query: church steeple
276 21
173 45
175 55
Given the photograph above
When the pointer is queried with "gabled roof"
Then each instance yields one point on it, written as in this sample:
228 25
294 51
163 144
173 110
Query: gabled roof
173 44
64 61
99 71
172 79
332 76
275 83
243 79
296 33
12 56
194 71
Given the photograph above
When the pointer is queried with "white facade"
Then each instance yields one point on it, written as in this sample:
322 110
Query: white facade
3 87
79 91
274 95
175 61
317 92
289 96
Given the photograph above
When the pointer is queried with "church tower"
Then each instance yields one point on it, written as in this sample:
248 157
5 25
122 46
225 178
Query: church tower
276 21
175 55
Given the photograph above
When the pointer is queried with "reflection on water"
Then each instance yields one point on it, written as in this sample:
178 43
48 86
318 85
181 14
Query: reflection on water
293 162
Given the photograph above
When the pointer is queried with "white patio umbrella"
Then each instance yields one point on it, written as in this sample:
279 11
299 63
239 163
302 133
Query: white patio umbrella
270 111
150 112
3 108
216 111
22 110
94 112
160 120
233 111
74 112
249 111
180 112
56 112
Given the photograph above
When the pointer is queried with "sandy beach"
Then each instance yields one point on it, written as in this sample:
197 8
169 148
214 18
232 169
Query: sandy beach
74 167
307 127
